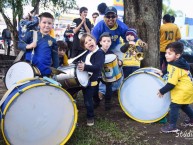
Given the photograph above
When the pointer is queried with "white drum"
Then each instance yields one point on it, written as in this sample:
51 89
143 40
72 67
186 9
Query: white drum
72 77
138 97
37 112
20 71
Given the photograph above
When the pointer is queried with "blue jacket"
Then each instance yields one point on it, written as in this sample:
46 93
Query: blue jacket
45 53
116 32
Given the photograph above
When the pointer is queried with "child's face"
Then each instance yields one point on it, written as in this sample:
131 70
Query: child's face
171 55
105 43
90 43
45 25
130 37
61 52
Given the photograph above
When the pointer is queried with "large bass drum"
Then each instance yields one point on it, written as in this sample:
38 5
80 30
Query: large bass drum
37 112
138 96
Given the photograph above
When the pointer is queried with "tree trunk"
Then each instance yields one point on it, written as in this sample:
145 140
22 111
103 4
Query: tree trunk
145 17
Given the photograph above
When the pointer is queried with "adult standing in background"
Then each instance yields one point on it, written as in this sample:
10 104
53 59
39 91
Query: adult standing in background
94 17
101 8
169 32
6 35
80 26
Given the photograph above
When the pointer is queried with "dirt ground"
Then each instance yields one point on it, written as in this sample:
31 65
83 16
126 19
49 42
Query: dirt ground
147 132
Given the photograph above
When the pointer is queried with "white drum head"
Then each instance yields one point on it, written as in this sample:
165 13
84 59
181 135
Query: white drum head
42 115
82 77
139 99
110 58
17 72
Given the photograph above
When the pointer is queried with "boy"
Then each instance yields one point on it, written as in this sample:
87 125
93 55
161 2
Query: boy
62 48
130 62
105 42
179 84
92 62
44 53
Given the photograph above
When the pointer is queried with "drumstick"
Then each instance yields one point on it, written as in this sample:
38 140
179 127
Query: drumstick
73 59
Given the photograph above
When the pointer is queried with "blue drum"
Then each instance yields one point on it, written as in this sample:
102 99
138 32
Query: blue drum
37 112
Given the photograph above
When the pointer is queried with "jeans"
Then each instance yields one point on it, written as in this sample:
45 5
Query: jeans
115 86
174 112
88 94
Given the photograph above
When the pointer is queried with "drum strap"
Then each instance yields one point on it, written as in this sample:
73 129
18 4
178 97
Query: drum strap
21 53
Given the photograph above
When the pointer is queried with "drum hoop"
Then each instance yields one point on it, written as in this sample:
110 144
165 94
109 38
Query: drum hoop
112 60
123 108
35 85
77 81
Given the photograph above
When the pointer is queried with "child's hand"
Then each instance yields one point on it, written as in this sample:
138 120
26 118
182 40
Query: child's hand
81 66
132 43
159 94
31 46
120 63
142 44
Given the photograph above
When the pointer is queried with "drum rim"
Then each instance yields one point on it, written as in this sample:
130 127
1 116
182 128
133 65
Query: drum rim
112 60
124 109
77 80
4 79
36 85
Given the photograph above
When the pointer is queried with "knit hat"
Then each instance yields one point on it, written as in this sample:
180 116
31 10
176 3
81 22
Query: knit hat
132 32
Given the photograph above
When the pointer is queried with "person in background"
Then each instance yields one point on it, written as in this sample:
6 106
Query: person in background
130 61
101 8
172 19
62 49
92 62
68 37
44 53
180 86
6 36
80 26
94 17
169 32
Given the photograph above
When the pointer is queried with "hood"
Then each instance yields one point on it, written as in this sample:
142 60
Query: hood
181 63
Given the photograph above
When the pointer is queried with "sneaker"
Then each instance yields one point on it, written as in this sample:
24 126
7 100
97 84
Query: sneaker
90 121
187 122
169 129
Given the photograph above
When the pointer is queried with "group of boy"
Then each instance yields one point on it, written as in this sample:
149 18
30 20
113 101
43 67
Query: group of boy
44 53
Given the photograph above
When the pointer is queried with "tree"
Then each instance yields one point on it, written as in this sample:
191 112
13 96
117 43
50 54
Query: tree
17 11
145 17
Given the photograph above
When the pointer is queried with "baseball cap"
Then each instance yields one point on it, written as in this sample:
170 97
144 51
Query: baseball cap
111 10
